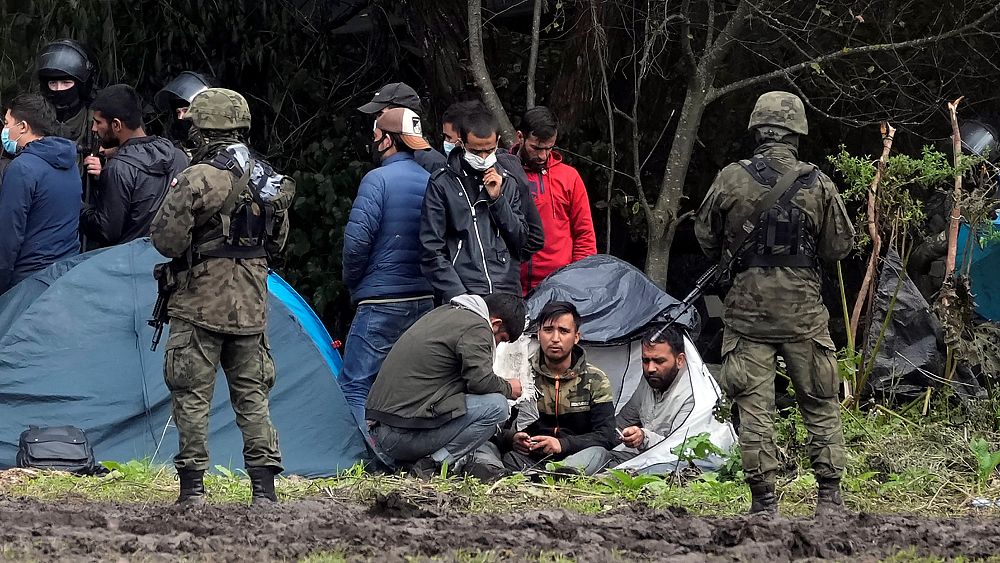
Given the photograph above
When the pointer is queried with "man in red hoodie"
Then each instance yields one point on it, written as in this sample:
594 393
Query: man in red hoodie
560 196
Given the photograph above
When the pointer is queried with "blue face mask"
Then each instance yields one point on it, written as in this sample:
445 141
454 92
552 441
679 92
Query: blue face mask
448 147
9 145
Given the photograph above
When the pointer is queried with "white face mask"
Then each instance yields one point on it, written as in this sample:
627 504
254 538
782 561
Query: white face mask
448 147
479 163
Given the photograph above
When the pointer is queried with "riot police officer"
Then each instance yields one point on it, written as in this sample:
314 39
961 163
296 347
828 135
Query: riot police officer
66 75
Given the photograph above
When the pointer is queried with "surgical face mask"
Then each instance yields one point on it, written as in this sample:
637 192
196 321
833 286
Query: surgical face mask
448 147
479 163
9 145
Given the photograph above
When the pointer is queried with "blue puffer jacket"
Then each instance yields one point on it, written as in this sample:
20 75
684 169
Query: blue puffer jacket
382 237
40 200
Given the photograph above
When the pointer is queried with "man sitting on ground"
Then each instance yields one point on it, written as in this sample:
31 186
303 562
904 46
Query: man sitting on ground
661 403
436 398
575 406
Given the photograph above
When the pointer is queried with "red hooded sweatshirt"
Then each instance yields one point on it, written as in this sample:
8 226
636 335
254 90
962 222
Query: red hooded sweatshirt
564 207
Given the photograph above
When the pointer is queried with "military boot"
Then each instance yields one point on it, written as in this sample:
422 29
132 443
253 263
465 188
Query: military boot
763 500
829 501
262 483
192 487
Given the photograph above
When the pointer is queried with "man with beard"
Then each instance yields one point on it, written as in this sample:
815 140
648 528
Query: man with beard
560 196
658 407
576 408
132 183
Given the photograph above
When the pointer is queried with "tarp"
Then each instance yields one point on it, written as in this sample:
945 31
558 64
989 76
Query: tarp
911 354
617 303
74 349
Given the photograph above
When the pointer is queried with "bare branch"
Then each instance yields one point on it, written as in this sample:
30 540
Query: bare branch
536 24
480 73
715 93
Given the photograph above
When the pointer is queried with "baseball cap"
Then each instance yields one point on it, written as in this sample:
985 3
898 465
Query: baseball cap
406 123
395 94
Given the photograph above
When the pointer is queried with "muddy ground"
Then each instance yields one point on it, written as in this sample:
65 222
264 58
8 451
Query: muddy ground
393 528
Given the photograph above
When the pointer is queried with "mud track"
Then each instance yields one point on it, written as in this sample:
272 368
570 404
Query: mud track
393 528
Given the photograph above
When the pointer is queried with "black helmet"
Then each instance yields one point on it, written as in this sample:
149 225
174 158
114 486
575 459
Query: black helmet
980 139
65 57
180 91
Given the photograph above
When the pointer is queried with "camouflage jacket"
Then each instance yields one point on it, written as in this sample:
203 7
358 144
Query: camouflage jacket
577 407
225 295
774 304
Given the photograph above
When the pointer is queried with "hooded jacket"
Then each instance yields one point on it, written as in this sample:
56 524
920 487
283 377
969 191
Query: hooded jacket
381 242
39 209
130 190
445 355
577 407
564 208
468 239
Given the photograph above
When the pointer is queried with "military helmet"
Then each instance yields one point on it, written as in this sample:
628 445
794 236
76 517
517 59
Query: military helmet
219 109
180 91
780 109
65 57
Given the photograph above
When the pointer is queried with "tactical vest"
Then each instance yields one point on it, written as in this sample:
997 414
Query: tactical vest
784 236
246 224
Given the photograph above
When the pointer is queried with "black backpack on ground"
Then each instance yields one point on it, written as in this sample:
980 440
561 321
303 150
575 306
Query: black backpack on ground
63 448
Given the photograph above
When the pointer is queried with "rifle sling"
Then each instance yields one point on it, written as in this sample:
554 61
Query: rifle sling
772 196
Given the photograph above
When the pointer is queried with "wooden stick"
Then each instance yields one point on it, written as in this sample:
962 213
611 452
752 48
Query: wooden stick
956 211
888 134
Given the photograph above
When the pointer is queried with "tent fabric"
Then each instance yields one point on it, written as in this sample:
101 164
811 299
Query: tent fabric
74 349
983 259
616 303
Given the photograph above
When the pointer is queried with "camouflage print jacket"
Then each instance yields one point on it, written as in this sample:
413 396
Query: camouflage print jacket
225 295
774 304
577 407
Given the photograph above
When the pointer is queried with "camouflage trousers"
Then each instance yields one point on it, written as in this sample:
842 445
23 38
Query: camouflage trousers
748 372
193 355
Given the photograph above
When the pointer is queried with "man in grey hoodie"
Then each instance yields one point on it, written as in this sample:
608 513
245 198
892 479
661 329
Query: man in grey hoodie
436 397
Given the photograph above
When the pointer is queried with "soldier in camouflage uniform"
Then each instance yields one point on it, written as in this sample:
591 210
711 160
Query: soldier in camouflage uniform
576 422
774 306
218 312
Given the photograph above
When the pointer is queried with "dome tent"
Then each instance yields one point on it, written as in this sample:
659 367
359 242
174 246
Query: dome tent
74 349
617 303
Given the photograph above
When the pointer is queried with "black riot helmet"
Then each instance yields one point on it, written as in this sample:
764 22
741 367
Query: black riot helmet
980 139
65 58
180 91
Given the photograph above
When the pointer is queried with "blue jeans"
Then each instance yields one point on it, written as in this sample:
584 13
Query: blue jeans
451 441
375 329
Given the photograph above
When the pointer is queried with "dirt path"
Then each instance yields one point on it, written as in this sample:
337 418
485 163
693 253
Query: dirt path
393 528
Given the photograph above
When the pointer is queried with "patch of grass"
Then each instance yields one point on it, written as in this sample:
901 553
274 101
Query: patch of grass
325 557
912 556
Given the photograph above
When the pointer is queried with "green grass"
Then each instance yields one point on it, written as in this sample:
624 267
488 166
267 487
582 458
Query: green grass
898 461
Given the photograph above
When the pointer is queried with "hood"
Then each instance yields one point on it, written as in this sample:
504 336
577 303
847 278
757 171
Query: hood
473 303
153 155
59 153
579 361
555 158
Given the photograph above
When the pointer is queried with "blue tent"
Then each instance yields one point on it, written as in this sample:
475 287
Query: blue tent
982 254
74 349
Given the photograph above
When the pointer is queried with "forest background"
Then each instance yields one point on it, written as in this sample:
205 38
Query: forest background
653 95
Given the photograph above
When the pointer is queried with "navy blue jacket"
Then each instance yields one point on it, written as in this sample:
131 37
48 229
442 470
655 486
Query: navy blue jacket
40 200
382 237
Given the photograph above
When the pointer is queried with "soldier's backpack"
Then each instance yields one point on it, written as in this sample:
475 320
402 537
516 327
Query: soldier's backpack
63 448
251 221
783 235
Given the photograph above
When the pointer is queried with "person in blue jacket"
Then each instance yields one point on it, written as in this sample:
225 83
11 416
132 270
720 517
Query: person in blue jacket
382 253
41 192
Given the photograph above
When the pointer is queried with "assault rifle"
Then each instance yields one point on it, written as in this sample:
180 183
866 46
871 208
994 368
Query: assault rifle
166 285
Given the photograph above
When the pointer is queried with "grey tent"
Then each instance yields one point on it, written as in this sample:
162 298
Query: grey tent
74 349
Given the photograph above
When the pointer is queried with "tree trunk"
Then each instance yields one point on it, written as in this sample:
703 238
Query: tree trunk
661 222
481 75
536 25
438 28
